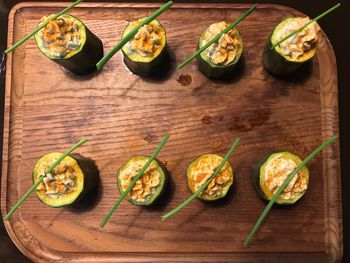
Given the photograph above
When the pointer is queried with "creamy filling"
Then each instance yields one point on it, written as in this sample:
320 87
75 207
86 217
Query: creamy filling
276 172
146 186
60 181
204 169
225 50
147 40
60 37
297 45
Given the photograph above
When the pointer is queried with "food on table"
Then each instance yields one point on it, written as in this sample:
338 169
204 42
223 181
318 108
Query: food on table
219 59
269 174
146 53
69 43
294 51
70 181
151 184
201 169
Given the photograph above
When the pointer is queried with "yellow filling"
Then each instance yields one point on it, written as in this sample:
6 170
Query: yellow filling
203 169
224 51
297 45
276 173
148 40
60 37
146 186
60 181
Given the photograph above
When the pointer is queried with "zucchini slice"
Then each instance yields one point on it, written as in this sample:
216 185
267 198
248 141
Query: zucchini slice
221 58
293 52
269 174
146 53
69 43
149 187
71 180
201 169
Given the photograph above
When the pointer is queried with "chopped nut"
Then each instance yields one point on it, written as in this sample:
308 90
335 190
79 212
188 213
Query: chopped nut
41 187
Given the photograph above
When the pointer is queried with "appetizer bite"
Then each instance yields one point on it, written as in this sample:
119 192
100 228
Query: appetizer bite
221 57
145 53
295 51
149 187
269 174
70 181
201 169
69 43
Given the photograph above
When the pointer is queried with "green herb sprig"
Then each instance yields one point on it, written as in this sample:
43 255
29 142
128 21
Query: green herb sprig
20 42
217 37
304 26
285 184
204 186
35 185
133 182
132 33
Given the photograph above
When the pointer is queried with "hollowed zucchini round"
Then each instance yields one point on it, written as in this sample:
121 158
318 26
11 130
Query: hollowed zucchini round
260 184
149 187
279 64
212 70
83 169
145 65
82 60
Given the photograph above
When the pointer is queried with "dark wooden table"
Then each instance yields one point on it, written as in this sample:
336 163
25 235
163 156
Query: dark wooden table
335 26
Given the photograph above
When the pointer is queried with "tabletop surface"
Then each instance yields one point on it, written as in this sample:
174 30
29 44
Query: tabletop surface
9 253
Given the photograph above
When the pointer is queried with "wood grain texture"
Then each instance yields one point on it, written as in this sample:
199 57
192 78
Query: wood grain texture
47 109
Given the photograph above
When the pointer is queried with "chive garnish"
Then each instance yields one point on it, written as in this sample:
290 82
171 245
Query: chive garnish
20 42
133 182
35 185
132 33
304 26
217 37
285 184
204 186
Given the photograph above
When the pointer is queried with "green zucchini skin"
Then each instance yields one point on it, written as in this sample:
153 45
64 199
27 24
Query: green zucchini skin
213 71
145 69
159 191
83 62
255 176
91 175
91 179
276 64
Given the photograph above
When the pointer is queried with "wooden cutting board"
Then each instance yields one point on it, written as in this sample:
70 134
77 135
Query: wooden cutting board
47 109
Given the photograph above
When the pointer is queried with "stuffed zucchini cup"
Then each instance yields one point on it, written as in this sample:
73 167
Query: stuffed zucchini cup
149 187
201 169
221 57
269 174
293 52
69 182
69 43
146 53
